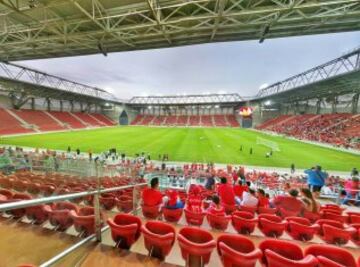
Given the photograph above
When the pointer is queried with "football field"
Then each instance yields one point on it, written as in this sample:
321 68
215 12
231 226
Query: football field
219 145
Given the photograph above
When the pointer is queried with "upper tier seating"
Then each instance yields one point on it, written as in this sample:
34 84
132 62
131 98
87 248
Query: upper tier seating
10 125
39 118
337 129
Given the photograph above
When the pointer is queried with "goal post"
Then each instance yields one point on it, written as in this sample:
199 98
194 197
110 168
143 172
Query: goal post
268 143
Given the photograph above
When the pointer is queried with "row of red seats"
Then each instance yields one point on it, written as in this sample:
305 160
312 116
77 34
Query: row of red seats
184 120
234 250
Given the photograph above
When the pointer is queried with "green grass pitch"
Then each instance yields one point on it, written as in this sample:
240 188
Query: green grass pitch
219 145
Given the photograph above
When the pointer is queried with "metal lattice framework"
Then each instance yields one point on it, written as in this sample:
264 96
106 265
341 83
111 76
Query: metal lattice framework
186 99
32 29
17 75
344 65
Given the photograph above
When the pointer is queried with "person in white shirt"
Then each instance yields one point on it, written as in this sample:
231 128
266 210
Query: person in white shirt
249 199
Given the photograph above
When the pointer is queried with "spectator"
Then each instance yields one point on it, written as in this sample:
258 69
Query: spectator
235 176
6 164
354 172
152 196
210 183
292 168
263 200
240 188
288 202
309 201
352 192
226 192
173 201
215 207
316 180
249 199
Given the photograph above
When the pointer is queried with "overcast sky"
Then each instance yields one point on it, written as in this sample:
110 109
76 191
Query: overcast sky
240 67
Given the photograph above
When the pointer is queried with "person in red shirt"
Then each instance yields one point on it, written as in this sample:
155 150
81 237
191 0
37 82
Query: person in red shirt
226 192
235 177
240 188
288 202
263 200
172 200
152 196
215 207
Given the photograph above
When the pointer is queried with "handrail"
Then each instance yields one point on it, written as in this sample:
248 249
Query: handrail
38 201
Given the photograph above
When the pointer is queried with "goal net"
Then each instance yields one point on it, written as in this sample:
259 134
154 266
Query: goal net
268 143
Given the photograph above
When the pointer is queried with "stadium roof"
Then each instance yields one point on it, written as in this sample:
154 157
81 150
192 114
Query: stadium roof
32 29
186 99
336 77
30 82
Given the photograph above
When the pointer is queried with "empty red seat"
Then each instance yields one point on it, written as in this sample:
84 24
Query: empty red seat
150 212
248 209
47 189
84 220
125 230
356 236
7 193
237 250
354 217
288 213
18 213
244 222
312 216
159 238
218 222
301 229
330 215
334 232
279 253
271 225
107 201
20 185
125 203
196 245
264 210
59 214
37 214
331 256
172 215
194 218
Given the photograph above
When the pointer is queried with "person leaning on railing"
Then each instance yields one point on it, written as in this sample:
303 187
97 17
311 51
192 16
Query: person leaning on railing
6 164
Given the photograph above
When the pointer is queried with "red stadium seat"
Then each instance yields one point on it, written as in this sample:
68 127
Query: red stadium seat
18 213
172 215
218 222
354 217
283 254
159 238
194 218
7 193
334 232
196 245
330 215
277 260
237 250
229 209
125 230
37 214
271 225
356 236
312 216
107 201
244 222
84 220
288 213
301 229
125 203
264 210
20 185
47 189
33 188
150 212
59 214
248 209
331 256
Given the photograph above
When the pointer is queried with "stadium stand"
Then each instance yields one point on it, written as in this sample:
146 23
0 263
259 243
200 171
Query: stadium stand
337 129
30 121
10 125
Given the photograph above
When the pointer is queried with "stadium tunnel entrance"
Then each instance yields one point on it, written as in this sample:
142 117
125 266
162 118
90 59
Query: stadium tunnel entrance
124 119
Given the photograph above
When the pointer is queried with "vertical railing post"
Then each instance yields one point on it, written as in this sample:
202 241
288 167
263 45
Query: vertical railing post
97 206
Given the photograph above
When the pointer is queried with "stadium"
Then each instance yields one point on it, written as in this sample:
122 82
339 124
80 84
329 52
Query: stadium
89 177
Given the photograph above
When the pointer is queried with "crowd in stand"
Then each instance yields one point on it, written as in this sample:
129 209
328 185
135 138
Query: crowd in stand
340 129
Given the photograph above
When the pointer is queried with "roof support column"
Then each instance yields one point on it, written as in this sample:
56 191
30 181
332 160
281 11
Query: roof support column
334 105
71 102
61 105
33 103
48 104
318 106
355 103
